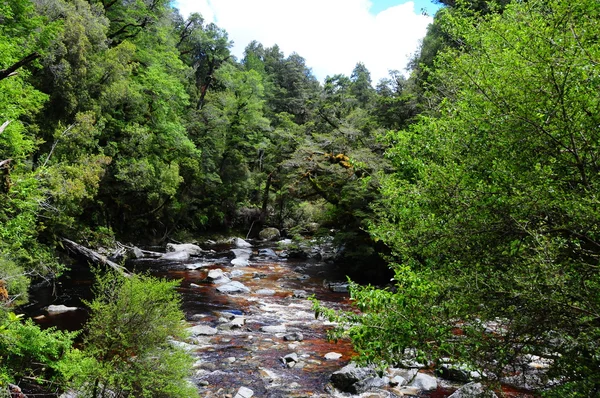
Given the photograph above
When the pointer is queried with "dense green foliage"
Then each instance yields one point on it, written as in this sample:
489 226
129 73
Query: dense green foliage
128 349
477 177
492 210
27 351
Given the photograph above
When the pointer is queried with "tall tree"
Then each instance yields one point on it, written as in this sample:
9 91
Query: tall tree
361 87
492 212
205 48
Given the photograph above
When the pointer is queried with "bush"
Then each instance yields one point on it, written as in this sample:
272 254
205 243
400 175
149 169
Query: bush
127 349
13 283
27 351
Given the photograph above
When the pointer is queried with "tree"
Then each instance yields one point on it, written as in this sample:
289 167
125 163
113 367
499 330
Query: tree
233 133
205 49
492 211
361 87
396 103
24 35
339 162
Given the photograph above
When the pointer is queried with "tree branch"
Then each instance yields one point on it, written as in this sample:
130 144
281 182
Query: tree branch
10 71
4 125
95 257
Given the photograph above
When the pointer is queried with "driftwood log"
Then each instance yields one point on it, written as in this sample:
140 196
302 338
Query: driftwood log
94 257
144 253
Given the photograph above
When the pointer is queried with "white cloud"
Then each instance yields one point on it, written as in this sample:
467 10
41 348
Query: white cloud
332 35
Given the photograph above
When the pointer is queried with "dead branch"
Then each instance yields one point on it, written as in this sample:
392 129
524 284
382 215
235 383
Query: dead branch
94 257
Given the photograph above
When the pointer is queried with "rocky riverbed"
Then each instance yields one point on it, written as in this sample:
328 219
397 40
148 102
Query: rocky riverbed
252 330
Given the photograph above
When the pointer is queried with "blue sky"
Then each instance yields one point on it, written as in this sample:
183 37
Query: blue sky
379 5
332 35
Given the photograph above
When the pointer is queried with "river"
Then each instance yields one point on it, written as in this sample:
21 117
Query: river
266 340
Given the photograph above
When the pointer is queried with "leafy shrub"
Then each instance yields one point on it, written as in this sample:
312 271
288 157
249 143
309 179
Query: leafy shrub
127 348
28 351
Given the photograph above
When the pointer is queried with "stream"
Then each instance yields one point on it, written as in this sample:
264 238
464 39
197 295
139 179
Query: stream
266 340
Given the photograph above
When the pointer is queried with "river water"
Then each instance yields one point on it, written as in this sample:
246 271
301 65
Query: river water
240 357
246 355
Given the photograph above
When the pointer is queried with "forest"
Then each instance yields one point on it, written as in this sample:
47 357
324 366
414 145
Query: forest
471 181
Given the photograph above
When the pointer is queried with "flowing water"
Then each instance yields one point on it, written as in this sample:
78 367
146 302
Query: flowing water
244 355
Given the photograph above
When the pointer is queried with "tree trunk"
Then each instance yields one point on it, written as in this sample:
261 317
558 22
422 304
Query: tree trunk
94 257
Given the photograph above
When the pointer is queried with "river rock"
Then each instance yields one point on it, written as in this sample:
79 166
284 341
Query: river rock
353 379
266 292
233 287
190 248
218 277
295 336
473 390
196 265
176 256
137 253
269 253
237 323
409 391
302 294
244 392
297 253
457 372
290 360
333 356
202 330
184 346
407 374
274 329
59 309
242 257
269 234
397 381
236 273
424 382
242 253
537 362
338 287
240 262
241 243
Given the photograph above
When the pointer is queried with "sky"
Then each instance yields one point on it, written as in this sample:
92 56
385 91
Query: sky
331 35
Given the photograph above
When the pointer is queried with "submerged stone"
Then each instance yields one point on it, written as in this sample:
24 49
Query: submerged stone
59 309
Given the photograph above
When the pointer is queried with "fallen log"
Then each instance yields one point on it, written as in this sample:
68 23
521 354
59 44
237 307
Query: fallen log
141 253
94 257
